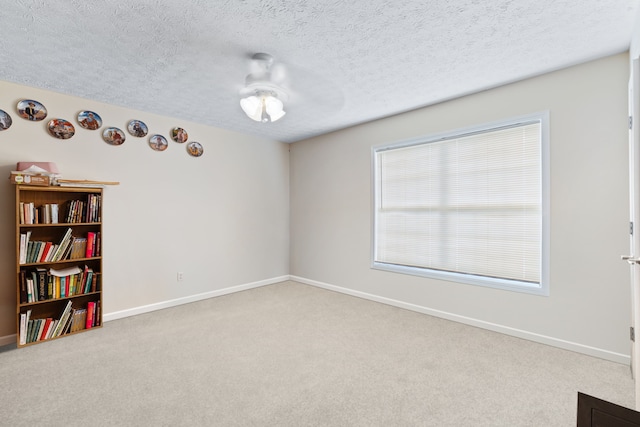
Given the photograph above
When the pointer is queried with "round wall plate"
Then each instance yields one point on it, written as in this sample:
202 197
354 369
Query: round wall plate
179 135
158 142
137 128
195 149
5 120
113 136
89 120
61 129
31 110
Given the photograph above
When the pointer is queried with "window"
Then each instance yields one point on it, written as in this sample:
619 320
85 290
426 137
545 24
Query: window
469 206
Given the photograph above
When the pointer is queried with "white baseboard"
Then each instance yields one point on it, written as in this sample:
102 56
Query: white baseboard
8 339
531 336
192 298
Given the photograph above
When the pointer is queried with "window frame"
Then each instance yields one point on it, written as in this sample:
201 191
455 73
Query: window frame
541 288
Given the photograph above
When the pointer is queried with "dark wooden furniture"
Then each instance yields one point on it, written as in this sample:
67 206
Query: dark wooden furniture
594 412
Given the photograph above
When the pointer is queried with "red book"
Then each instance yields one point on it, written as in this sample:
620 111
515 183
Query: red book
91 236
47 325
90 309
45 252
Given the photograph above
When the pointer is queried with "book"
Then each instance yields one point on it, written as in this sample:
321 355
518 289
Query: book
45 250
40 250
52 326
83 279
62 320
34 324
90 314
90 208
89 284
42 283
27 240
79 319
78 247
30 297
41 324
98 314
23 248
45 213
70 209
31 325
90 244
67 326
27 215
52 250
54 213
97 245
23 287
62 246
24 321
30 246
34 286
50 287
56 286
48 250
67 252
21 212
95 281
45 328
80 211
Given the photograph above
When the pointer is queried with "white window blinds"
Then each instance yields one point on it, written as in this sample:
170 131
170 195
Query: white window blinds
468 204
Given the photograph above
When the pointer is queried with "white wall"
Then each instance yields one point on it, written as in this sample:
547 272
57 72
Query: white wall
634 48
222 219
588 308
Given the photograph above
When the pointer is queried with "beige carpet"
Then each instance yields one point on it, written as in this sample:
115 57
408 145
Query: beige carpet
294 355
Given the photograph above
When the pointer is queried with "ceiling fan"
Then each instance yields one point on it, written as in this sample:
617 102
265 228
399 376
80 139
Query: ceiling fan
262 98
271 84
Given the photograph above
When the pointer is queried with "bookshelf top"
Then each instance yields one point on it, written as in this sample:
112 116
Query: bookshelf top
53 188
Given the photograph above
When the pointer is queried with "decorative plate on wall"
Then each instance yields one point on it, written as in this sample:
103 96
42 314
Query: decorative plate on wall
5 120
179 135
158 142
89 120
31 110
137 128
113 136
61 129
195 149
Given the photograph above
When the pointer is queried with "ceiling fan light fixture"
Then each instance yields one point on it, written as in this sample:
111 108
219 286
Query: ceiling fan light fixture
263 106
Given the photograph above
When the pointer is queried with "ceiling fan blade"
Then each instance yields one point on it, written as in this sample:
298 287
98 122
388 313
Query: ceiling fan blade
279 74
299 85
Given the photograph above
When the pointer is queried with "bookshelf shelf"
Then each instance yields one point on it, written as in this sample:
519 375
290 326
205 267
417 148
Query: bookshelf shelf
61 262
58 262
31 304
62 224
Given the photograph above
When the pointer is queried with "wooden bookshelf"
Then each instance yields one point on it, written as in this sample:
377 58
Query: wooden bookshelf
58 262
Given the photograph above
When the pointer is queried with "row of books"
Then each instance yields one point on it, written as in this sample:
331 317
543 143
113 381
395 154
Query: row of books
70 320
77 211
69 247
41 284
81 211
45 214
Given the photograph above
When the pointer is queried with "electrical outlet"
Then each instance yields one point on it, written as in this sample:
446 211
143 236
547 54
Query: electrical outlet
180 276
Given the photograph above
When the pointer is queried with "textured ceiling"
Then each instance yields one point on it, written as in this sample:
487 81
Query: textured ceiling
347 62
